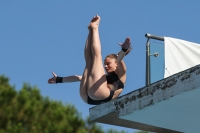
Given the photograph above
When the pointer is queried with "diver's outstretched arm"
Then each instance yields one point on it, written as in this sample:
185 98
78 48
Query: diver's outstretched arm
57 79
126 48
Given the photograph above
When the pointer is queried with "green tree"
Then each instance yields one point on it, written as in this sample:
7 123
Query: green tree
114 131
26 111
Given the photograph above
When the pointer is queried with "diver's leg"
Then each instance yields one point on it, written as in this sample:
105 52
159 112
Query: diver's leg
88 60
97 84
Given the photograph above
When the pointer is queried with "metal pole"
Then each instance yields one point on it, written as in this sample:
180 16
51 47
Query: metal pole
149 36
147 62
154 37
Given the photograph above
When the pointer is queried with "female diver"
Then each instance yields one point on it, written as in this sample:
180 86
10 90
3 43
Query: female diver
96 86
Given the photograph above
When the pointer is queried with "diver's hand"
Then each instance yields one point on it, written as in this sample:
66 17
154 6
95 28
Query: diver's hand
53 79
126 45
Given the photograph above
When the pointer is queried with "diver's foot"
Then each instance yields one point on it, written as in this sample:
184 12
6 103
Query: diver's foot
94 24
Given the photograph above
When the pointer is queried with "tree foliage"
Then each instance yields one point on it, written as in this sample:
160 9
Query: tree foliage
26 111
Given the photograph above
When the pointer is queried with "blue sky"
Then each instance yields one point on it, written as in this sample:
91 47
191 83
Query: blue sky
37 37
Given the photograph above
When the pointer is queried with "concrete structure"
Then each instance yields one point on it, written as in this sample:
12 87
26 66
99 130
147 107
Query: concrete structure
170 105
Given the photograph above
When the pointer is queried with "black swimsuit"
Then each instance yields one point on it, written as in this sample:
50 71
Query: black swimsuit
113 79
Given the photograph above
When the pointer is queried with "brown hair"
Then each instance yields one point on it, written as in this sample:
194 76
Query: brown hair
113 56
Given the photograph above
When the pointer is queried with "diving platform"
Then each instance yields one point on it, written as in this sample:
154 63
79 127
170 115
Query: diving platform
170 105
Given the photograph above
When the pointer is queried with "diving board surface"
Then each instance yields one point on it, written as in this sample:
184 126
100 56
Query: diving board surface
170 105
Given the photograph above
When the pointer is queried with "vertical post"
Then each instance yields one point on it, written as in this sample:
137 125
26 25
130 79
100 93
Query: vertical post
147 62
148 36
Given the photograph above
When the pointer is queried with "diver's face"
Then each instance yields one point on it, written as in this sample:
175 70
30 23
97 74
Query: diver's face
110 64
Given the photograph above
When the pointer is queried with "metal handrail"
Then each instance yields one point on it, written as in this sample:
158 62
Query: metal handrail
149 36
154 37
